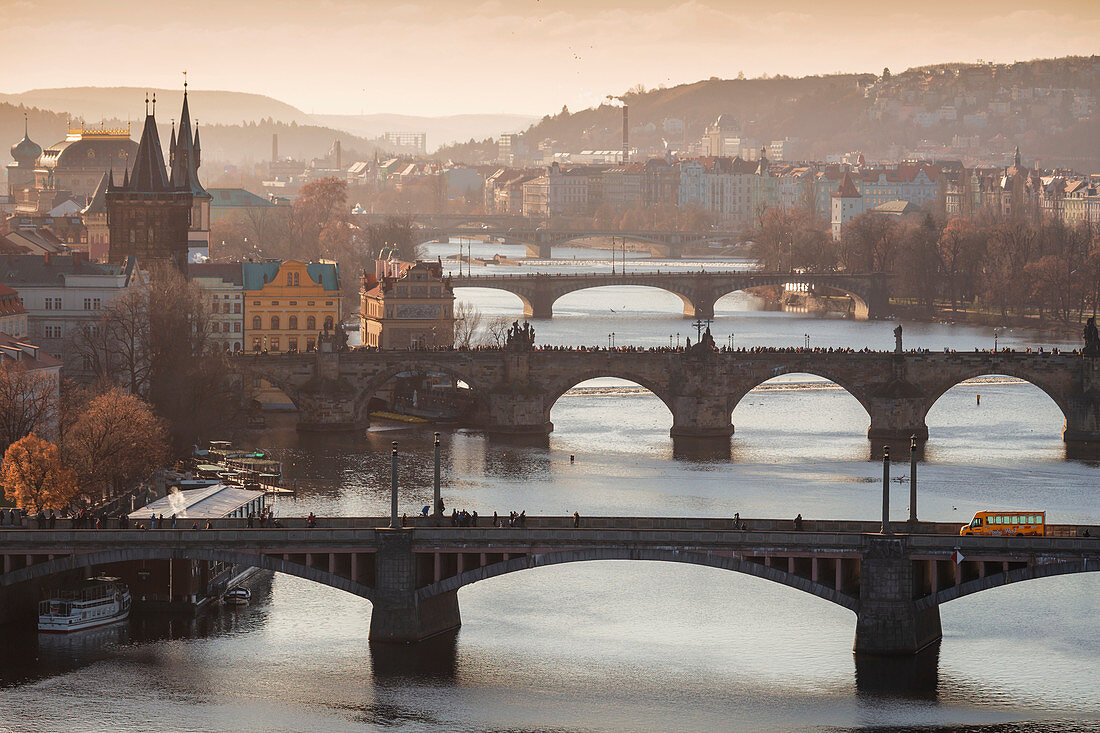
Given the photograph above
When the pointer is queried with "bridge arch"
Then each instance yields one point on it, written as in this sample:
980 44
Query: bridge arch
524 295
1031 572
840 379
256 560
688 299
861 306
378 381
649 554
558 387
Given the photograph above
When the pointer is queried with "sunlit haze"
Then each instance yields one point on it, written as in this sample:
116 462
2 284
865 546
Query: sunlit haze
442 57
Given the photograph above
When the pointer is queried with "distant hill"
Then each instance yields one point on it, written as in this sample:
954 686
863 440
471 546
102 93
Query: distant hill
874 113
440 130
94 104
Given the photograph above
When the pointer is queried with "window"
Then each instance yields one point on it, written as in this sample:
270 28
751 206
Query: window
87 304
328 302
294 302
53 304
292 344
255 302
310 303
255 347
311 323
215 327
328 323
275 343
292 323
311 344
236 327
236 307
257 324
274 302
274 323
52 331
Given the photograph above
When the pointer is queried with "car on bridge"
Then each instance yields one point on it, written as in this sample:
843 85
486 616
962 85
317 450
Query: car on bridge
1006 524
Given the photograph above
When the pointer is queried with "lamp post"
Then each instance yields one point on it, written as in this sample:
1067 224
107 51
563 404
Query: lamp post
438 506
996 336
612 254
913 483
677 339
394 521
807 340
886 489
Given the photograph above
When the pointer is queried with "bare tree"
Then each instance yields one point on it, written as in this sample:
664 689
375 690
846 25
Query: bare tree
496 332
467 323
28 403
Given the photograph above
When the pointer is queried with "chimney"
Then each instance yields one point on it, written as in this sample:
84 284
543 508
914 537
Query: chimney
626 134
274 147
47 258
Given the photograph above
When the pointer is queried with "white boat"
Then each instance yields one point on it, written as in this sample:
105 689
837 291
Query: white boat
238 596
95 602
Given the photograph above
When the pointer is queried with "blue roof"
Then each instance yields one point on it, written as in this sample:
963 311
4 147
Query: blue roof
256 274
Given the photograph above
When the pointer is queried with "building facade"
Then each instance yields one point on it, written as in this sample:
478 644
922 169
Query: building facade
288 304
405 307
13 316
63 294
222 286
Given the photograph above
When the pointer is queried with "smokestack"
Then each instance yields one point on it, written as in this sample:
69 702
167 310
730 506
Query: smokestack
338 156
626 134
274 147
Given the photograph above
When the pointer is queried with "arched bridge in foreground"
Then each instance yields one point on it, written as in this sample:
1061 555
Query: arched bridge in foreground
893 583
699 290
513 391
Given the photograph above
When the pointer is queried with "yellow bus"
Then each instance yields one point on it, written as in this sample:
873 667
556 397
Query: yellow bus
1007 524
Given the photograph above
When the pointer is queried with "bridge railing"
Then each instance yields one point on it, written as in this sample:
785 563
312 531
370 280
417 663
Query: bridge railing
549 522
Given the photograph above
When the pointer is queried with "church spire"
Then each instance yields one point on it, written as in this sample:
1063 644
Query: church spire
185 156
1016 157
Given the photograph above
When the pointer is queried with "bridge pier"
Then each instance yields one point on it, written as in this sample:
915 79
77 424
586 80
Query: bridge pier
700 415
897 414
888 621
398 615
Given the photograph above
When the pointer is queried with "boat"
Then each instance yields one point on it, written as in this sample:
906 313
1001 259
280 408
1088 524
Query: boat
238 596
94 602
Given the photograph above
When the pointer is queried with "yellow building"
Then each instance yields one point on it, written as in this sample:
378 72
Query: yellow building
289 304
407 306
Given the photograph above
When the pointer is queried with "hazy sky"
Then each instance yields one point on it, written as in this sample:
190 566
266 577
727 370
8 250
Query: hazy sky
532 56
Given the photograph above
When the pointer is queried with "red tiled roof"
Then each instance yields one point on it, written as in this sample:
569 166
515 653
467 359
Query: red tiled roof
847 188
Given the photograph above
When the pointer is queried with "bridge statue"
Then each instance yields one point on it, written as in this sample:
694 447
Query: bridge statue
521 338
705 345
897 339
1092 338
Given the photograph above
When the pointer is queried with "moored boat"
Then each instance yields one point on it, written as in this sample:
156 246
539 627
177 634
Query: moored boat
94 602
238 596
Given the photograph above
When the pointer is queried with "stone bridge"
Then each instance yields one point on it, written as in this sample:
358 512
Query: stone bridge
699 291
541 241
514 391
893 583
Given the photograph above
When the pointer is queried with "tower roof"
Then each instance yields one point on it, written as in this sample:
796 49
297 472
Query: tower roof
26 151
185 155
847 188
98 203
149 174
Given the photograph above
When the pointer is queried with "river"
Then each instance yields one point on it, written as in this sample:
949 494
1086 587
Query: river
620 646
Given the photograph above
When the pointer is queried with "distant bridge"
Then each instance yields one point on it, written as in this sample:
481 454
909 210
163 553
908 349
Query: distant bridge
893 583
540 241
698 290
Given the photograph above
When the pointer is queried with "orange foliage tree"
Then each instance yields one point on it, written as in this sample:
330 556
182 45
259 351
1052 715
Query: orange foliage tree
115 443
33 477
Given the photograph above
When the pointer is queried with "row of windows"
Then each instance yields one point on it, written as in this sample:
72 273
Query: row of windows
274 343
294 302
291 323
1017 519
217 327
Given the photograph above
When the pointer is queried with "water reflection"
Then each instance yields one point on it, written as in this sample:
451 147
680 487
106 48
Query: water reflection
914 677
431 661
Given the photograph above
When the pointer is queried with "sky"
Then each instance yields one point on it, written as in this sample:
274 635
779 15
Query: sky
438 57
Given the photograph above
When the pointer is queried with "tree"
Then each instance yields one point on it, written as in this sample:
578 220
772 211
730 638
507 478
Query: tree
868 243
28 402
115 443
33 476
957 251
496 332
467 323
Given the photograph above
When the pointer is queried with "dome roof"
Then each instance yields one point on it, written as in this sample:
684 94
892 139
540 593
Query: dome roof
26 151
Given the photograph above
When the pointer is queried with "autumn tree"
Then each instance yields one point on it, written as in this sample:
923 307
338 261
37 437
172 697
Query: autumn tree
115 443
33 477
958 251
788 239
28 402
917 263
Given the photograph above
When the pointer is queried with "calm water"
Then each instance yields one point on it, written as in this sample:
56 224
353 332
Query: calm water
619 646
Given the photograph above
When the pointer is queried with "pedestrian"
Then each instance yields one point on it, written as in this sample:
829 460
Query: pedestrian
576 519
496 520
173 521
209 524
798 523
404 519
53 519
160 521
979 398
194 525
736 519
473 519
251 520
41 517
523 518
153 521
311 520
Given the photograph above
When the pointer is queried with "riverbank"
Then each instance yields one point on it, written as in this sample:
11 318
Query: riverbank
944 315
